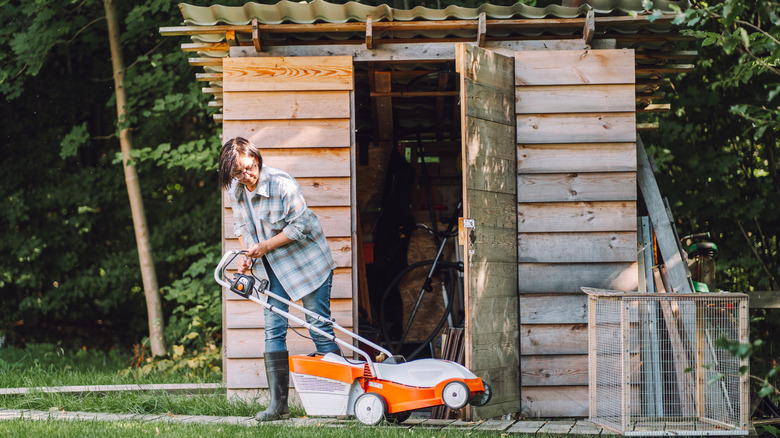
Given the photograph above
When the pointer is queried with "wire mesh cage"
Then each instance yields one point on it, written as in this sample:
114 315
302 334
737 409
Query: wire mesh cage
658 363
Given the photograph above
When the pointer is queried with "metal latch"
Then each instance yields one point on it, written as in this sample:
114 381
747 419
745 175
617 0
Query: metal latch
463 234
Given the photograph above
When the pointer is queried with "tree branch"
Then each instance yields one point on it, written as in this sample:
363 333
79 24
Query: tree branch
773 282
145 54
83 29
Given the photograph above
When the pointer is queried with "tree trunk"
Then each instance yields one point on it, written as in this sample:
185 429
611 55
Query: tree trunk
153 304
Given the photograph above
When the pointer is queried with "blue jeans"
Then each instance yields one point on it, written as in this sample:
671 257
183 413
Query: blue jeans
276 326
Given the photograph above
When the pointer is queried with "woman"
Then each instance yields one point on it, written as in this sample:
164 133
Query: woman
274 224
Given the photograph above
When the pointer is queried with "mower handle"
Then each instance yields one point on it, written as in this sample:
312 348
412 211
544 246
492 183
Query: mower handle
219 276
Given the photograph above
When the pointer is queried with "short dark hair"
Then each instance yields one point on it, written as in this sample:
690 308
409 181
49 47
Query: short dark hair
231 151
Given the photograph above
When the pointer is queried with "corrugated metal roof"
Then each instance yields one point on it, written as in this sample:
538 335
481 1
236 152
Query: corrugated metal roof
321 11
324 12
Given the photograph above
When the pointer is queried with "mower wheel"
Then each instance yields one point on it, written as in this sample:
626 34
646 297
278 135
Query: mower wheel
370 408
482 398
455 394
399 417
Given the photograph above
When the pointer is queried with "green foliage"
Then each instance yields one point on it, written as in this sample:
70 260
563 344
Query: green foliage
195 321
717 153
68 265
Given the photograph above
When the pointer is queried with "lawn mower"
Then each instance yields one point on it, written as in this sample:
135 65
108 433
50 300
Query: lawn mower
372 391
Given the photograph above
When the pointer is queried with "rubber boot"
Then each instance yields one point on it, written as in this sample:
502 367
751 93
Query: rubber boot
277 369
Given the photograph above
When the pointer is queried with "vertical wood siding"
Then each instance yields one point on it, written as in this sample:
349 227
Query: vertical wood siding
576 191
297 111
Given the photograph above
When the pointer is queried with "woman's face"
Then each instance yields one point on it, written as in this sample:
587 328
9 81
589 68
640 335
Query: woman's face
247 171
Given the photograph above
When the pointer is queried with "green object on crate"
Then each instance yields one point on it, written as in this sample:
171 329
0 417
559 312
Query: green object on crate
700 287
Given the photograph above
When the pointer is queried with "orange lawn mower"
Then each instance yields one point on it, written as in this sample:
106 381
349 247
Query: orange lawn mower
332 385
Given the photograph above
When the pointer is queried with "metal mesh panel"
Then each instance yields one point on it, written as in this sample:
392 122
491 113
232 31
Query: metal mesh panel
656 367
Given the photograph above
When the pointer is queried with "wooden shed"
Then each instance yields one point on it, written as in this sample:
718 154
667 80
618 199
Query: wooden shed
528 114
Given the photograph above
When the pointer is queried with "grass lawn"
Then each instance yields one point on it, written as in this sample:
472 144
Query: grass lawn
48 365
27 428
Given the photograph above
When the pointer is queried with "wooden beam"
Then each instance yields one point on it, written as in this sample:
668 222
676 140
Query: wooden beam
208 76
481 29
415 93
205 47
647 127
411 52
680 68
655 108
663 228
765 300
256 35
201 62
666 55
590 27
369 33
383 107
232 38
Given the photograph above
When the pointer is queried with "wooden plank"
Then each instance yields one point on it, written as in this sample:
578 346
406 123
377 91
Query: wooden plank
555 401
501 326
310 162
489 102
340 247
250 343
275 74
684 380
505 382
553 309
488 68
568 187
246 314
499 340
554 370
669 247
580 157
560 278
488 139
335 221
550 99
320 192
765 299
574 67
553 339
283 105
309 133
577 247
245 373
410 51
542 217
601 127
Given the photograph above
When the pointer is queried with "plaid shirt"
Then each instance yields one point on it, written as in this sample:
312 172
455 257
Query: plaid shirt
278 206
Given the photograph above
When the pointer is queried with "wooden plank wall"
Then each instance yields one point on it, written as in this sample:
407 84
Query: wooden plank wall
298 112
576 194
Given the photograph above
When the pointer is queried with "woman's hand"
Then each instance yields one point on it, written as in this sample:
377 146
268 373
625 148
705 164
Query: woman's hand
258 249
244 264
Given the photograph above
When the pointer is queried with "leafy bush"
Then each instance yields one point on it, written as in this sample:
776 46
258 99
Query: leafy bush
195 321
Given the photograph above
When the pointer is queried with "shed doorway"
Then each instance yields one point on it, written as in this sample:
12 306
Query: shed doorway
408 197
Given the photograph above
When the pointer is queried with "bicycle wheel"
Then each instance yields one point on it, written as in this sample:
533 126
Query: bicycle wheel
432 313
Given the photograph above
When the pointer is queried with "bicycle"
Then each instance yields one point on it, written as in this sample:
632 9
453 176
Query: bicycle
438 275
